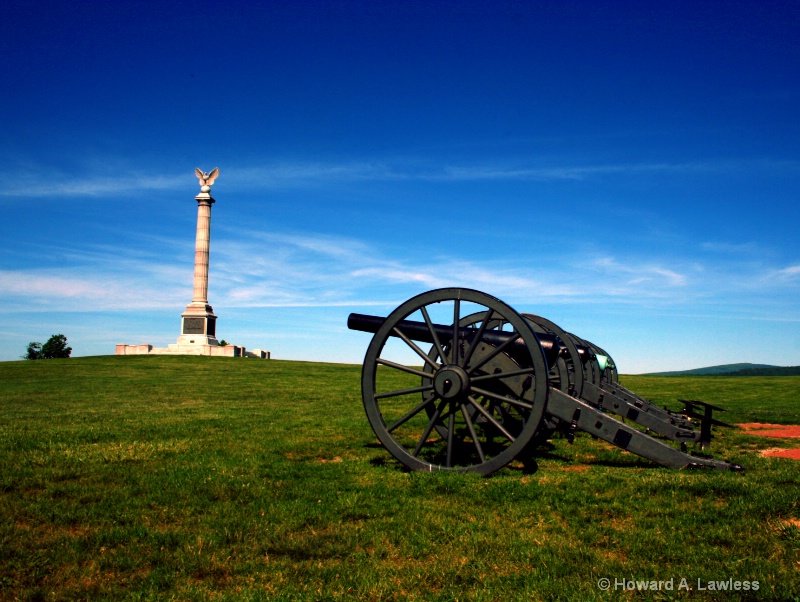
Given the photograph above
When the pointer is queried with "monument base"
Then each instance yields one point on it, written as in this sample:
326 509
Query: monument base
198 337
193 349
198 325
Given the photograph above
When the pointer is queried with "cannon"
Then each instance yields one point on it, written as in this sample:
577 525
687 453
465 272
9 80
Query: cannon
592 377
455 379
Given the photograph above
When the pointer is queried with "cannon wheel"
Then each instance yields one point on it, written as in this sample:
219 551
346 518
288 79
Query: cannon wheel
568 377
574 384
571 373
591 369
488 403
471 320
548 424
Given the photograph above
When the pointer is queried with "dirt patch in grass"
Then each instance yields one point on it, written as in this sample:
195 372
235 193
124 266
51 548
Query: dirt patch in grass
777 452
779 431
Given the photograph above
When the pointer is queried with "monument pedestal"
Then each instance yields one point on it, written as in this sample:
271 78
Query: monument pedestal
198 325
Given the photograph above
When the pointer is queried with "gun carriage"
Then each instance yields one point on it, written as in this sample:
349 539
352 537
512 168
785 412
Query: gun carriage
495 383
592 377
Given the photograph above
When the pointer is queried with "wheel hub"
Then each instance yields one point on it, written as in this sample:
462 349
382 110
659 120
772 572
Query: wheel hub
451 382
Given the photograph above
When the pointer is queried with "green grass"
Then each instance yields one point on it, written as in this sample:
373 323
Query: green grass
147 478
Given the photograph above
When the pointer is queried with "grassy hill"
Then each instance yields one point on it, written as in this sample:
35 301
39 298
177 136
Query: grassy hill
153 478
736 370
726 369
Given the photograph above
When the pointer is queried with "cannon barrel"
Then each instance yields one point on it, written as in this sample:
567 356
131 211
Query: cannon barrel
418 331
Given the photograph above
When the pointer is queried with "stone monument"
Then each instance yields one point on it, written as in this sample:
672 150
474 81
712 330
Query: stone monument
198 322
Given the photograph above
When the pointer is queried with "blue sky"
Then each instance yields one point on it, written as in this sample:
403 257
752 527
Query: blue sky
630 170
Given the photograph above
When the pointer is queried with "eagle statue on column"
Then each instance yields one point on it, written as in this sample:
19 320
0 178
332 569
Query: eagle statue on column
206 179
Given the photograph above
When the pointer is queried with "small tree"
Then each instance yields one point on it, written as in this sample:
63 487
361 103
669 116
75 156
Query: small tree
56 347
34 351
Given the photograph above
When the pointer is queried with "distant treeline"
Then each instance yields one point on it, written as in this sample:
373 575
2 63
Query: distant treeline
774 371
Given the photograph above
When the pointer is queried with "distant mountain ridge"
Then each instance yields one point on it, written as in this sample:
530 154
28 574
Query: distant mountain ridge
744 369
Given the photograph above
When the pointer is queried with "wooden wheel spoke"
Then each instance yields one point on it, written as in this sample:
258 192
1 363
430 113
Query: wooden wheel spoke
431 423
403 368
434 336
478 336
415 347
456 324
491 419
502 375
412 413
451 424
471 429
448 412
502 398
422 389
496 351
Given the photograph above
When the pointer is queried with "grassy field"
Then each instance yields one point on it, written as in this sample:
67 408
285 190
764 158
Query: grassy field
179 478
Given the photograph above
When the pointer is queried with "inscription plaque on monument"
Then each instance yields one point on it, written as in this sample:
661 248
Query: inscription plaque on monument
193 325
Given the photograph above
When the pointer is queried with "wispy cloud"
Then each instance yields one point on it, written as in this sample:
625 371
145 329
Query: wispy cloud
267 269
787 274
291 292
113 179
732 248
45 185
284 174
69 289
30 284
396 274
636 273
261 269
558 172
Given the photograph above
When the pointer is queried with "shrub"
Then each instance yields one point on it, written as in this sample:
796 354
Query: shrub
34 351
55 347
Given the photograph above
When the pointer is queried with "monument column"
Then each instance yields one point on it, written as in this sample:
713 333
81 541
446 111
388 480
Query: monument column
201 247
198 325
